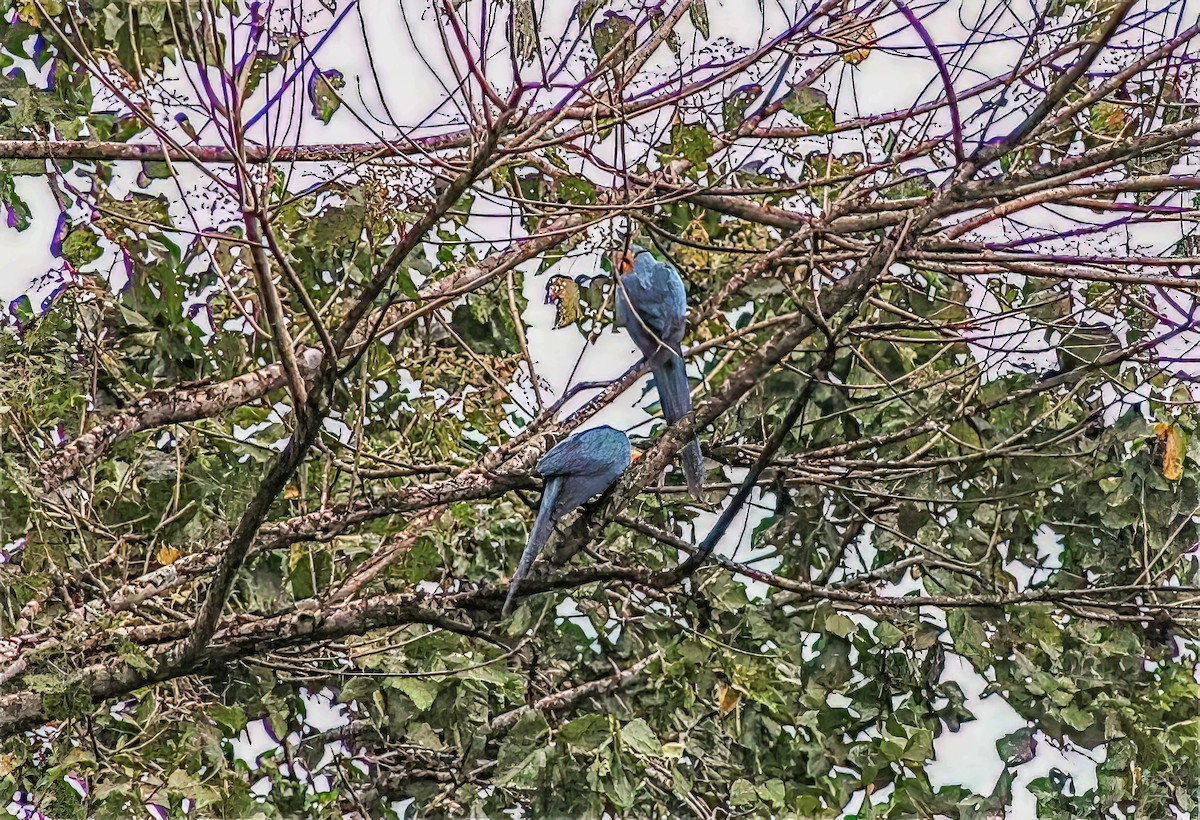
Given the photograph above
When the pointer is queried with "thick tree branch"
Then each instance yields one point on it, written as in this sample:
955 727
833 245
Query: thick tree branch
309 623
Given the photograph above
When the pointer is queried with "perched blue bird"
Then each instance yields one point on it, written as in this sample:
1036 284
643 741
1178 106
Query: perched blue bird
577 468
652 304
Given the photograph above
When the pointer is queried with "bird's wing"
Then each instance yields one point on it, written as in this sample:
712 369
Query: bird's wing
564 458
675 302
656 292
622 305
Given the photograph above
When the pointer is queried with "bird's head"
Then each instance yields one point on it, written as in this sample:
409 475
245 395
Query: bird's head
623 260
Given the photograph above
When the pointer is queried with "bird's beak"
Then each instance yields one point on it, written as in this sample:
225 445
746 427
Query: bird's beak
635 455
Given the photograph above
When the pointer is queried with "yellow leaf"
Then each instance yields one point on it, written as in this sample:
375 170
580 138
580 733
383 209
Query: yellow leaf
728 698
673 751
1173 443
855 37
30 13
167 555
563 293
1109 119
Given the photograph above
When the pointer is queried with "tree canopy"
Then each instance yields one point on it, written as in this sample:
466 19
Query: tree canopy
324 281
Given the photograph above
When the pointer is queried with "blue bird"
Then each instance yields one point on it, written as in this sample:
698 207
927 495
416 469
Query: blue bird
652 304
577 468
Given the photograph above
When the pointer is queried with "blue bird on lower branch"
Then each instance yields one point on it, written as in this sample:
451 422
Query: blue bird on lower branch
652 304
577 468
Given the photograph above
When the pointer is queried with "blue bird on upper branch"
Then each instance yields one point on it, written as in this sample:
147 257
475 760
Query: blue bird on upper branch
577 468
652 304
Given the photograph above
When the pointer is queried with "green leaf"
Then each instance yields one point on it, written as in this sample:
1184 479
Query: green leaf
81 247
887 634
523 753
19 215
733 110
692 142
1076 718
575 191
610 33
527 40
113 21
322 93
155 169
420 561
698 13
421 691
742 793
233 718
585 734
22 309
811 106
588 9
1109 119
638 736
969 637
773 793
840 625
301 572
23 167
45 684
1018 747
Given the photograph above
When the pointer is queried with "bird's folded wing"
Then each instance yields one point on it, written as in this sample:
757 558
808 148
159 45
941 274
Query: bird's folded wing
564 458
661 309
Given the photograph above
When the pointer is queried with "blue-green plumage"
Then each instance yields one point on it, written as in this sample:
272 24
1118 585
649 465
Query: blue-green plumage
652 304
581 466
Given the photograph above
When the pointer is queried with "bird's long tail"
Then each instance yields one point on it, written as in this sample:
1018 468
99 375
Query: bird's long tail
543 526
676 399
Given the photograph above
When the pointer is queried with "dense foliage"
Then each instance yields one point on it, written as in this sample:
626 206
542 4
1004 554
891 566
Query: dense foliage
319 276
